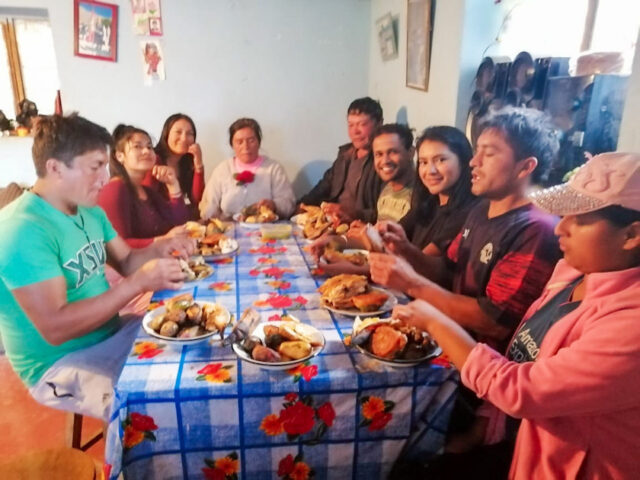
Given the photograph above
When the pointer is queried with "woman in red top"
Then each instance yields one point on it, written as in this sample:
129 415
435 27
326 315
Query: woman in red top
139 213
177 148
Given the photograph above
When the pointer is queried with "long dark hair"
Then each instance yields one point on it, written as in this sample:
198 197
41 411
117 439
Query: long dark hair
185 164
121 136
460 194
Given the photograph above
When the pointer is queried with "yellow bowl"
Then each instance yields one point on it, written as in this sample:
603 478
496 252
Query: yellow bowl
276 231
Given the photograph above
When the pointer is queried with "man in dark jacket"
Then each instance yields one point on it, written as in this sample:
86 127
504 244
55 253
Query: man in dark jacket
351 186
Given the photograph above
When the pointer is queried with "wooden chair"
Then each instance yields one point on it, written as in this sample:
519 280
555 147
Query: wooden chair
55 464
74 433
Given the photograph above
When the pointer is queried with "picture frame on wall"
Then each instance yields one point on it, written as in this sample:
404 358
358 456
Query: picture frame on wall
387 37
419 27
95 30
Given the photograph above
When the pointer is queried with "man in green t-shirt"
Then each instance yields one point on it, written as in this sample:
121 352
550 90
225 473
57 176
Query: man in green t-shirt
58 317
393 151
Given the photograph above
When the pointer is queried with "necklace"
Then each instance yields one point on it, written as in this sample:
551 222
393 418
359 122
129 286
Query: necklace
80 225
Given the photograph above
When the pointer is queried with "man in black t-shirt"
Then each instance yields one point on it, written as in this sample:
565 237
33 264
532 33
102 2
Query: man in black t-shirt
503 256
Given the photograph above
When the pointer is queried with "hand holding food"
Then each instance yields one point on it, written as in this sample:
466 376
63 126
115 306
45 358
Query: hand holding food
393 236
195 268
159 274
392 271
174 246
419 314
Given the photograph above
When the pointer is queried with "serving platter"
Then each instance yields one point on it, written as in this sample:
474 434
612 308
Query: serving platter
391 302
180 342
259 332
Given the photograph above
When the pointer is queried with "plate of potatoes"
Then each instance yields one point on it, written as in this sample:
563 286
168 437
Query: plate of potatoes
280 345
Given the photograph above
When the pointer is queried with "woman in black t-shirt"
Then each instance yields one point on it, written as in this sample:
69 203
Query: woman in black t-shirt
440 202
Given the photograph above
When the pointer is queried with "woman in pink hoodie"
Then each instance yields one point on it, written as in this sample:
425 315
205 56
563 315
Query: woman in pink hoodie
572 371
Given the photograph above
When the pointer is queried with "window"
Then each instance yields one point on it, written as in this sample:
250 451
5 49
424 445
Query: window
567 27
26 48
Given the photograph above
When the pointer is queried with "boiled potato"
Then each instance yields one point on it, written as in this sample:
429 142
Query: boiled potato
157 322
295 349
169 329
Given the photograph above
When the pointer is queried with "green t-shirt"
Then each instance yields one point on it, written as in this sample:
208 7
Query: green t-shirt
38 243
394 205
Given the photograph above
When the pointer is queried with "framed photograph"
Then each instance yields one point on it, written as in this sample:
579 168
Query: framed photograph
95 30
419 27
387 37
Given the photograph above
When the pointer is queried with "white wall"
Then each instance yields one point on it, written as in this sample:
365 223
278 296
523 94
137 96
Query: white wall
437 106
294 65
629 140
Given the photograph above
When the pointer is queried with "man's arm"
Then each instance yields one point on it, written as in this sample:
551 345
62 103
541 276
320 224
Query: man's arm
396 272
127 260
58 321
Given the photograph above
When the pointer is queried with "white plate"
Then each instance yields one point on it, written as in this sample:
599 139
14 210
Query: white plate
397 363
179 341
391 302
402 363
234 249
259 332
237 216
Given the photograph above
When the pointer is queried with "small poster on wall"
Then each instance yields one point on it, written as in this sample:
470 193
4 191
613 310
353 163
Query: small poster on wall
147 17
153 61
95 26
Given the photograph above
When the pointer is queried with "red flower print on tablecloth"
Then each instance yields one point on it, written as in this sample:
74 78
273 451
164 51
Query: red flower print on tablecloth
268 241
220 286
326 413
267 250
215 373
279 284
442 361
268 260
376 412
275 300
304 370
299 417
137 428
223 468
223 261
317 272
290 468
146 349
154 305
272 272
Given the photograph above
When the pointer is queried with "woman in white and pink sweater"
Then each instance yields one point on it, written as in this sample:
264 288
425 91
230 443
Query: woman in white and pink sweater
247 178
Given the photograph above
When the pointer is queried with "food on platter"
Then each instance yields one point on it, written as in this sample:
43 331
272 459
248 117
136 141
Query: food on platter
347 291
355 257
195 229
195 268
390 339
370 302
281 342
184 318
315 222
216 244
256 214
216 225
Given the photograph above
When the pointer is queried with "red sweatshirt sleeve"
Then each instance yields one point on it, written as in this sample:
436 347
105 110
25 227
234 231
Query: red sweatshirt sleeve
197 187
115 200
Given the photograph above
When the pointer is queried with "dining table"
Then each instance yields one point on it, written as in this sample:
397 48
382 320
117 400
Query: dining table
199 411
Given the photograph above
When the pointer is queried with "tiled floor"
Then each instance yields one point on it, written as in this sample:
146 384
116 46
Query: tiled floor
27 426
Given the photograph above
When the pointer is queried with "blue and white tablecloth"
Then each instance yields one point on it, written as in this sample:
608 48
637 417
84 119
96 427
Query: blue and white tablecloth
200 412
